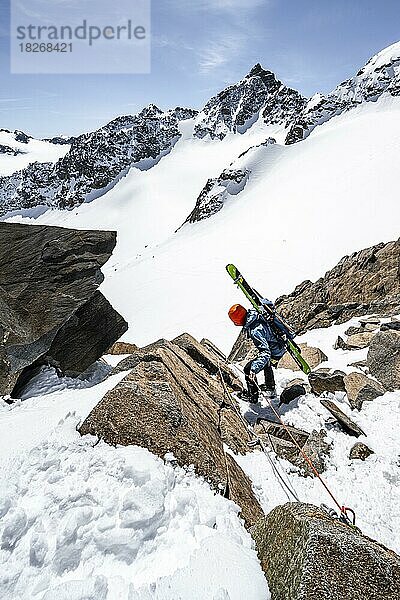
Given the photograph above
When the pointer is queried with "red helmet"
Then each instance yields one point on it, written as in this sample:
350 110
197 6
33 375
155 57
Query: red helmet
237 313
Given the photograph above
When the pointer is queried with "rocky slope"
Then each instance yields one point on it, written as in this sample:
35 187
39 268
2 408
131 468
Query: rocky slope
17 135
231 182
15 141
367 281
95 161
215 193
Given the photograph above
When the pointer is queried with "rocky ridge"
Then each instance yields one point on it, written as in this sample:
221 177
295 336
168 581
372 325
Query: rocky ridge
380 75
95 161
19 136
173 402
231 182
366 282
216 192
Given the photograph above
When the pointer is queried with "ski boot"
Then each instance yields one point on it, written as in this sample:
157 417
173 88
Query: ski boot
246 397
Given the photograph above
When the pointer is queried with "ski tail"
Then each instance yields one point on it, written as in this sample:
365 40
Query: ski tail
264 309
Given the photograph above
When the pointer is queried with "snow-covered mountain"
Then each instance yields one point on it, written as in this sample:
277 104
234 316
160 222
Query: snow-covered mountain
81 169
381 74
187 193
94 161
18 150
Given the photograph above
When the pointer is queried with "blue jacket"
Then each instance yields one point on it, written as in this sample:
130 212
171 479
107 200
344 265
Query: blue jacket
267 343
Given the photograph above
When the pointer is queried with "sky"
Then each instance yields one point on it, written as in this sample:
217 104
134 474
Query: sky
198 48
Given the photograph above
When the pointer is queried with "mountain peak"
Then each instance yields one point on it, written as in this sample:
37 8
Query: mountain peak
266 76
150 111
237 107
258 70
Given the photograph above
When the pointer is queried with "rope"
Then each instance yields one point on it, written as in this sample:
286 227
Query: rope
227 489
303 453
286 486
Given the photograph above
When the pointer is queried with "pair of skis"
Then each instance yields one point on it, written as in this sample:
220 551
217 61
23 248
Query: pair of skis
276 320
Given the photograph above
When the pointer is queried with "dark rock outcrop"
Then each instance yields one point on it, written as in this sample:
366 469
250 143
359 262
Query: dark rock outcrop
60 140
292 392
230 183
19 136
344 421
216 192
170 403
384 358
10 150
393 325
364 282
307 555
85 336
50 311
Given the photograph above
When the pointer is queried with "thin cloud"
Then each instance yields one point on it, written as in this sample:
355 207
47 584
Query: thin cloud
219 5
162 41
220 52
232 27
15 99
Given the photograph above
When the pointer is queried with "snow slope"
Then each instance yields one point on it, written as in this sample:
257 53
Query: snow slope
32 151
303 208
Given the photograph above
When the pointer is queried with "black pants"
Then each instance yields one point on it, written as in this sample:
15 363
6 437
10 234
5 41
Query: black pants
269 379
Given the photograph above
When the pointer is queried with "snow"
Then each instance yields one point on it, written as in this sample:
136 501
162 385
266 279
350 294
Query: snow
26 423
33 150
81 520
314 101
120 520
383 58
